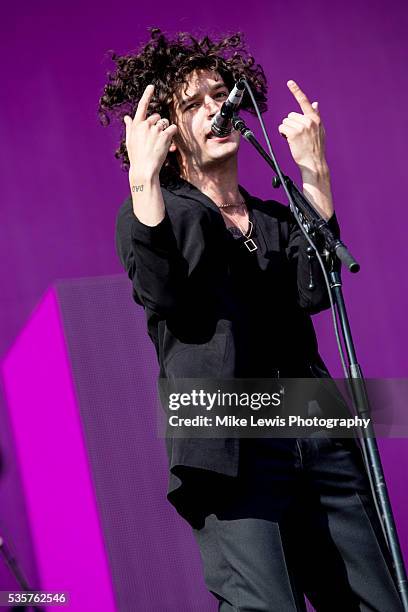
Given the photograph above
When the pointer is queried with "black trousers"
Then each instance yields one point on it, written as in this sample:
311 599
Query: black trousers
299 519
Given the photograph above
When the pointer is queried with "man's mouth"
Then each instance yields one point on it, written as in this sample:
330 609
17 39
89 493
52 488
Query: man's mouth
211 136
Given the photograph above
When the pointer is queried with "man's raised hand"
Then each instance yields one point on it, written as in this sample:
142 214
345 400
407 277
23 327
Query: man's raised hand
304 132
148 139
306 138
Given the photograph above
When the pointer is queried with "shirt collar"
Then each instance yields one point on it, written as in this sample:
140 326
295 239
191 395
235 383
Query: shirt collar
183 188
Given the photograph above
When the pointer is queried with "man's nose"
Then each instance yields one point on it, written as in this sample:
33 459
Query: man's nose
211 106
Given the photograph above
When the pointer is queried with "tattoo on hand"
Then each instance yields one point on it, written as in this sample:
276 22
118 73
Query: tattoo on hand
136 188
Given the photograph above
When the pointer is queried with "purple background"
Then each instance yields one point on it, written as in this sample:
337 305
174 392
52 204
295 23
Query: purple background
60 186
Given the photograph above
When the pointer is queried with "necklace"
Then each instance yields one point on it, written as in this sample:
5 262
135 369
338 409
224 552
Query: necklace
249 243
237 231
231 205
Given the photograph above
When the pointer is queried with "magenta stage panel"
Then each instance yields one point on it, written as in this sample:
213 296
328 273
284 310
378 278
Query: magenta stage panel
53 461
80 386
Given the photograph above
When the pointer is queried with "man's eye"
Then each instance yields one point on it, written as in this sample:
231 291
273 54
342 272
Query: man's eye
221 93
190 106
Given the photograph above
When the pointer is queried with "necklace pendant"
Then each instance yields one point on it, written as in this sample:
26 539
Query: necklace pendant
250 245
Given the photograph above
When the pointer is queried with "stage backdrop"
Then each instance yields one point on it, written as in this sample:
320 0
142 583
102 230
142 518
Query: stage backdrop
60 185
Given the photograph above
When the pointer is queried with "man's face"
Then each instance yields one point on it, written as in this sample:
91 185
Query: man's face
195 104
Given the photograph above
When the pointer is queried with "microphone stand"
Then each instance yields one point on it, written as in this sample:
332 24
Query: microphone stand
315 224
12 564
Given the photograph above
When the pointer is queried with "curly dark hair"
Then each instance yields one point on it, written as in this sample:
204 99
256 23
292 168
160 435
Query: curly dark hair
167 64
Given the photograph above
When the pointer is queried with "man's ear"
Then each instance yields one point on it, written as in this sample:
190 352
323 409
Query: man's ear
172 147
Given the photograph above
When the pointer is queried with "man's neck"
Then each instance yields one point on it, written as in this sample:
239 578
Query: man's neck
220 183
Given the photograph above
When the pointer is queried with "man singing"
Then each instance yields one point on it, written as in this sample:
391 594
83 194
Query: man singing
224 279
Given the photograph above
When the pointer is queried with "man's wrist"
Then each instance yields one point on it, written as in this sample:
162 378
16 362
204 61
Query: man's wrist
316 174
148 205
138 182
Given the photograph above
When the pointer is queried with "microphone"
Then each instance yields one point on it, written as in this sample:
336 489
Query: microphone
221 124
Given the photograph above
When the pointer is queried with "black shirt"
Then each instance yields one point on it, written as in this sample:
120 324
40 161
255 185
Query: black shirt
216 310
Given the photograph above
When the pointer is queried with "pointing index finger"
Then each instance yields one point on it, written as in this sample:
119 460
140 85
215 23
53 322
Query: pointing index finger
301 98
144 102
